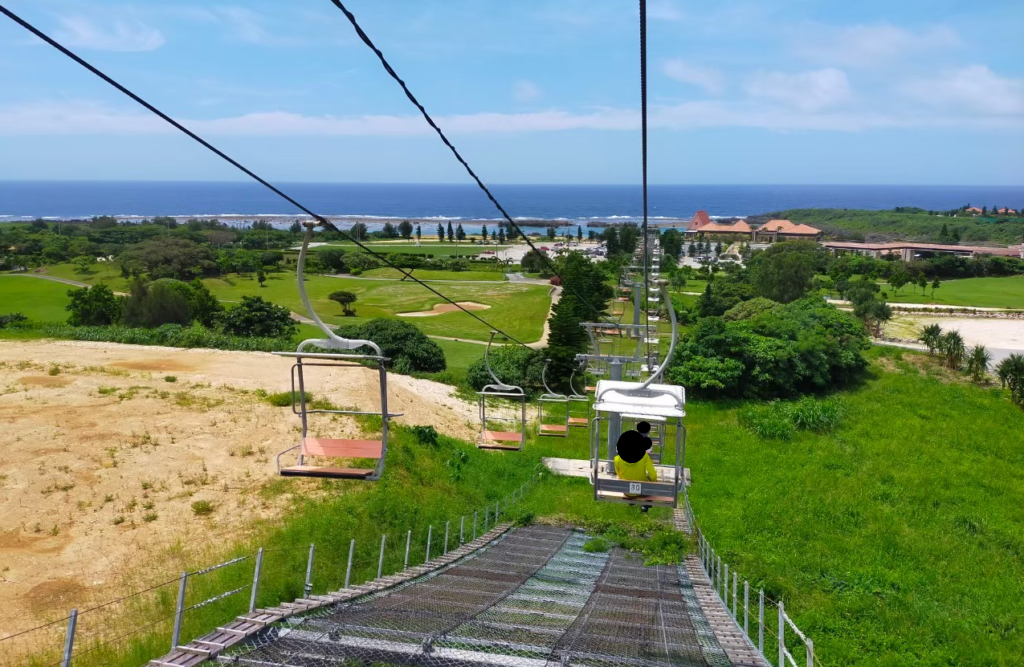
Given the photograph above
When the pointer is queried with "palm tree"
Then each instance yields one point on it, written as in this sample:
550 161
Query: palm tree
930 336
978 361
951 344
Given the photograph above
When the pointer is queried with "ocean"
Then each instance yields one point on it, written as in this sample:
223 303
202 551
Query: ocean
564 204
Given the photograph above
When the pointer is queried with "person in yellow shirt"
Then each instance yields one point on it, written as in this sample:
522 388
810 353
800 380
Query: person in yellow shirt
632 462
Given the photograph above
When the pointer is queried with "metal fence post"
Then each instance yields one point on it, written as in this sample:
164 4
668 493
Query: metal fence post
474 524
497 508
69 638
348 570
724 593
746 607
380 561
179 611
256 580
735 584
760 621
810 653
487 515
408 543
446 526
430 534
462 530
782 636
308 588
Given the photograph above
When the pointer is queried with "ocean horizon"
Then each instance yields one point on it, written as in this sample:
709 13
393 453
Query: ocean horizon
25 200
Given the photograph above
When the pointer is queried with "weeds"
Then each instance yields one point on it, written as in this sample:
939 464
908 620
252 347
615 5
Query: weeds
150 517
202 508
170 378
780 420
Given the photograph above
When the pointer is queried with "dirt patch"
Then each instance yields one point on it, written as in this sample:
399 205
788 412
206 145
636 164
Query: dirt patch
153 365
44 381
84 462
442 308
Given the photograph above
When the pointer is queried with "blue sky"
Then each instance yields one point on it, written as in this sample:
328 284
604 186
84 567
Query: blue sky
531 91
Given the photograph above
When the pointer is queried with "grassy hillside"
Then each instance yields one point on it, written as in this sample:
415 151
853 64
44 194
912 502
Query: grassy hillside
890 225
896 540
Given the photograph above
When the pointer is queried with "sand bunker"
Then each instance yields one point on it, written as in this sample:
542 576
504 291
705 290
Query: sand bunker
443 308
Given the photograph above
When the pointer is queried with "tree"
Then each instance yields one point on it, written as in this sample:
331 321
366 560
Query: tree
358 231
83 265
344 299
935 285
483 233
261 277
419 233
255 316
551 233
672 243
579 233
295 228
978 361
953 350
931 335
513 364
692 250
154 304
168 258
922 282
94 306
785 272
718 248
451 232
591 234
333 259
389 231
898 279
440 232
460 233
405 229
534 261
203 305
501 235
408 348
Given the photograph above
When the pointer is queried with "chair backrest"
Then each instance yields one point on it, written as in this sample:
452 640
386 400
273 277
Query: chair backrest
348 449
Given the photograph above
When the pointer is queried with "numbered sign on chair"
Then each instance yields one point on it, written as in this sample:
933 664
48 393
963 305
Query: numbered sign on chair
634 487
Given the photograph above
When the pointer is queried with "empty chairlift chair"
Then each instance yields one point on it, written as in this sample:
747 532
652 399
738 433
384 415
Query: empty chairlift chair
579 406
319 457
512 439
552 409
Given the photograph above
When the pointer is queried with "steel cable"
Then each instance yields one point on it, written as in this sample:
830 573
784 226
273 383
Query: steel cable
458 156
224 156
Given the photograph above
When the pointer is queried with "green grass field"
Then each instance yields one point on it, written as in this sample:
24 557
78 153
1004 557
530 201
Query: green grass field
35 298
896 540
1005 292
428 274
107 274
520 310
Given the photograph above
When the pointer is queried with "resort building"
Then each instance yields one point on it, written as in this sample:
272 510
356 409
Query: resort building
908 251
784 230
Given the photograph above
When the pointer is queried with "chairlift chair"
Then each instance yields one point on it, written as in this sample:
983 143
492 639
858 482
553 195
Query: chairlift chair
553 421
661 404
491 439
575 418
312 450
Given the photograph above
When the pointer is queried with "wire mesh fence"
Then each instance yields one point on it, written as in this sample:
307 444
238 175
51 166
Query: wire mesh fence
145 624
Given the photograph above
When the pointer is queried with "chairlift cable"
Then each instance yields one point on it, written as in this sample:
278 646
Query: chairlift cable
643 157
458 156
227 158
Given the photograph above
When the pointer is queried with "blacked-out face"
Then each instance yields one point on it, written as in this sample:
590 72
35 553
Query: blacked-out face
631 446
644 428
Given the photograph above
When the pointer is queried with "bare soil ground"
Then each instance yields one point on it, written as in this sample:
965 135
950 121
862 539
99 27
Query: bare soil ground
442 308
102 458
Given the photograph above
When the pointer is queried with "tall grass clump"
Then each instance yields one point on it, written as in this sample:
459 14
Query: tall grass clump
780 420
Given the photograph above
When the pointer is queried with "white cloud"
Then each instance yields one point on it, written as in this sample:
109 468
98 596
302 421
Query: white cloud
975 88
707 78
526 91
121 35
869 45
807 91
247 26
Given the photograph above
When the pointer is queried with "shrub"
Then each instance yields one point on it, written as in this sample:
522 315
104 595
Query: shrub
768 422
344 299
170 378
202 508
94 306
748 309
802 347
513 364
189 337
255 316
779 420
408 348
12 319
168 258
425 435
